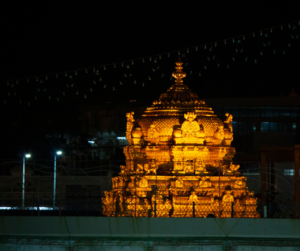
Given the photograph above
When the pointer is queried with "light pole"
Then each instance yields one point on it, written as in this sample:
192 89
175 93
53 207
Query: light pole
27 155
54 178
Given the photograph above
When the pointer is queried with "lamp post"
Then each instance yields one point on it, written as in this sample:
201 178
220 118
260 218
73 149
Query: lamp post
27 155
54 178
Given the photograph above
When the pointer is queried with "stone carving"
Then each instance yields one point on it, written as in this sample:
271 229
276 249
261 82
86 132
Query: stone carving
182 137
129 126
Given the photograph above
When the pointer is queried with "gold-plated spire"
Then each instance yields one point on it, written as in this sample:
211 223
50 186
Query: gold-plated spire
179 74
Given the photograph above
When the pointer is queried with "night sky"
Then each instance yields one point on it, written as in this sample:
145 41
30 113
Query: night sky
42 37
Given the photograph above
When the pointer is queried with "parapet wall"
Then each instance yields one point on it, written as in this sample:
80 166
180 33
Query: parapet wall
111 233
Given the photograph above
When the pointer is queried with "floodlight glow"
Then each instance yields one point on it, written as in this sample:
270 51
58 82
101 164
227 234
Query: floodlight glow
27 155
59 152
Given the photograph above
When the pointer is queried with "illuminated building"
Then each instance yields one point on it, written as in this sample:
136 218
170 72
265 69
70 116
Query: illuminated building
179 162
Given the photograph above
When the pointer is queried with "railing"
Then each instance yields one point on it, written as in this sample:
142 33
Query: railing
79 192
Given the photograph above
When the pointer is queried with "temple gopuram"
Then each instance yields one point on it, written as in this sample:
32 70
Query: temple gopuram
179 162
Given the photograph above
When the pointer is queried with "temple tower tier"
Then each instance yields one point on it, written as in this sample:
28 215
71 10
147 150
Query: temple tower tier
179 162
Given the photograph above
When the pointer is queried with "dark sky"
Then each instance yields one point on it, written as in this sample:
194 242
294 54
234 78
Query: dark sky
43 37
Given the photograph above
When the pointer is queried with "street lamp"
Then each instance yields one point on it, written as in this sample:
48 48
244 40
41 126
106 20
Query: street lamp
54 178
27 155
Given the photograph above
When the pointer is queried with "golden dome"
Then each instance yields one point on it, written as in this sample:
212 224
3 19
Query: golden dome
167 112
179 162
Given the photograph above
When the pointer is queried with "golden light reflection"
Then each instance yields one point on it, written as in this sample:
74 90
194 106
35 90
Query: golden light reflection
179 162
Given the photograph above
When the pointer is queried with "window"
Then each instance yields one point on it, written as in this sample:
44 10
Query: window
273 126
235 111
253 112
277 112
294 112
282 127
269 111
262 111
235 126
264 126
285 112
288 172
244 112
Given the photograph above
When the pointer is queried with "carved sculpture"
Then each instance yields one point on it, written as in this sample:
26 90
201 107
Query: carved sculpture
179 153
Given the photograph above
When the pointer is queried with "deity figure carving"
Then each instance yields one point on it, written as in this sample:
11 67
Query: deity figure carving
143 182
139 168
193 197
153 136
179 182
228 130
129 126
218 135
205 183
228 122
200 166
179 153
137 136
228 197
152 168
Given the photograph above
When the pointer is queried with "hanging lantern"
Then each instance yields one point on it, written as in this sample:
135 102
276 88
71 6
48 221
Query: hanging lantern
84 95
132 62
86 71
46 77
149 78
196 48
143 60
91 90
134 82
114 65
104 68
168 55
244 38
66 74
199 74
143 84
49 97
64 94
121 83
218 65
224 41
114 88
100 79
253 34
57 99
104 86
76 73
93 69
162 75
